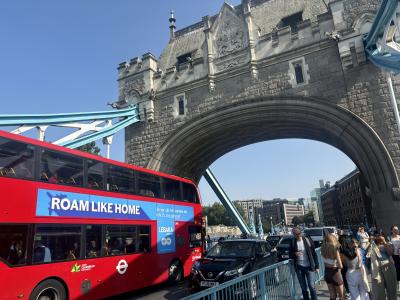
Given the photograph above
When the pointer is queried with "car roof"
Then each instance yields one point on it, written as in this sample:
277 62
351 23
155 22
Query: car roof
241 240
320 227
287 236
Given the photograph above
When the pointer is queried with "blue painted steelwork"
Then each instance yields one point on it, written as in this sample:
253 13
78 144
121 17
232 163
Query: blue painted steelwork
87 124
230 207
277 281
105 132
380 45
54 119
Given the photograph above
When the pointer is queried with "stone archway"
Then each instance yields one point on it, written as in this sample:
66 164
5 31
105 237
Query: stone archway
190 150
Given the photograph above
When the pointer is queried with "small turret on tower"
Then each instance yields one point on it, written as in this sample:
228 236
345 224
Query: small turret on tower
172 26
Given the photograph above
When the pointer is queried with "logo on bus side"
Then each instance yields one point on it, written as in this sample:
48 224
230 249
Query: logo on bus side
166 241
167 229
81 268
122 266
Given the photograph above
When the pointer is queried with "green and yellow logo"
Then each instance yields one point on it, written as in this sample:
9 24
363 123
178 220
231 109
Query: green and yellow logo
76 268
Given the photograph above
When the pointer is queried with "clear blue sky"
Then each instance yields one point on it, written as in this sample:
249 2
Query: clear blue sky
61 56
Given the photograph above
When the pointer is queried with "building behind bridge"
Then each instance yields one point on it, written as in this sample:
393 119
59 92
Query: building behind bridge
277 210
346 203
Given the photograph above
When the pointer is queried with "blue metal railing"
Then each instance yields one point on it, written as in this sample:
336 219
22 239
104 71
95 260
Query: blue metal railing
278 281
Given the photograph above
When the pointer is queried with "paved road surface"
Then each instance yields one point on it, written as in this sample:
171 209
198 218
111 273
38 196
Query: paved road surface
159 292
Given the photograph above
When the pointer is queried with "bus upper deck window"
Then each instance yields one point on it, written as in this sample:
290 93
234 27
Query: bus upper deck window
189 193
95 174
16 159
172 189
60 168
149 185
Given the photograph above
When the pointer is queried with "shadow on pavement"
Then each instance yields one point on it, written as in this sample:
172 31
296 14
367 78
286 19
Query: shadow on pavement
161 291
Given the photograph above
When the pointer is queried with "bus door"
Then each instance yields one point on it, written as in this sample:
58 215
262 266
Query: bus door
196 240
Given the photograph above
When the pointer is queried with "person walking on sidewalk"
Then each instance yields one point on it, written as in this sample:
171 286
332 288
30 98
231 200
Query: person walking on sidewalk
305 259
363 242
356 275
342 241
333 264
395 241
383 272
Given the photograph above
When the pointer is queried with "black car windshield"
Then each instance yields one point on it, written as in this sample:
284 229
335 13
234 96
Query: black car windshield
232 249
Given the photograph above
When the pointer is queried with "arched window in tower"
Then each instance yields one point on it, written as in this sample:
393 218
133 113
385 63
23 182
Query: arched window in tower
181 106
298 70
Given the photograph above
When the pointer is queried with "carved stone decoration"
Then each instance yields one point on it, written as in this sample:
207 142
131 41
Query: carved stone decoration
134 89
230 32
237 61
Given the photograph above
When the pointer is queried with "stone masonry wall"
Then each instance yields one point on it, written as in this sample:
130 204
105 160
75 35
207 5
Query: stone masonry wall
334 72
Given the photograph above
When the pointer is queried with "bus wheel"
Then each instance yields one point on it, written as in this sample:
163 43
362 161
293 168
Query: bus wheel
175 272
50 289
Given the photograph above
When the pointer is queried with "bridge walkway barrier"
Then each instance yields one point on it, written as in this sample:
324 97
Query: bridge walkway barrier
277 281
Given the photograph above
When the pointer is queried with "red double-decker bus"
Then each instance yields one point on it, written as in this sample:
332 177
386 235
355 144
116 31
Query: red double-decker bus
78 226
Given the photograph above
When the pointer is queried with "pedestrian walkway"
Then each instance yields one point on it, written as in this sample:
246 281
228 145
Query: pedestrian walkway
322 291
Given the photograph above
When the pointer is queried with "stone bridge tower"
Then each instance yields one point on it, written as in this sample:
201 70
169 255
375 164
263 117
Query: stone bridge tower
266 69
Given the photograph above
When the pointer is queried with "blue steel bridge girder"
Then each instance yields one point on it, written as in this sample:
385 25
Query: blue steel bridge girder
382 45
230 207
382 42
90 126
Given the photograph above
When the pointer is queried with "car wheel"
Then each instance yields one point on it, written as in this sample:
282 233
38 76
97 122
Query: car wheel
50 289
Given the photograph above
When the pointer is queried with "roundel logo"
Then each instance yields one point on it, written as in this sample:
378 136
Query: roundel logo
166 241
122 266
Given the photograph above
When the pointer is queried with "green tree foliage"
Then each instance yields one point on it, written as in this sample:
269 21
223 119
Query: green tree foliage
217 215
309 218
266 223
306 219
90 148
297 220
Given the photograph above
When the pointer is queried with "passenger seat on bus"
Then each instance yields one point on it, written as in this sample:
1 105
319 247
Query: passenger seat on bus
44 177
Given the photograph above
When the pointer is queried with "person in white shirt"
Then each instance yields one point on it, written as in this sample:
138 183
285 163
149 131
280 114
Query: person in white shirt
305 258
